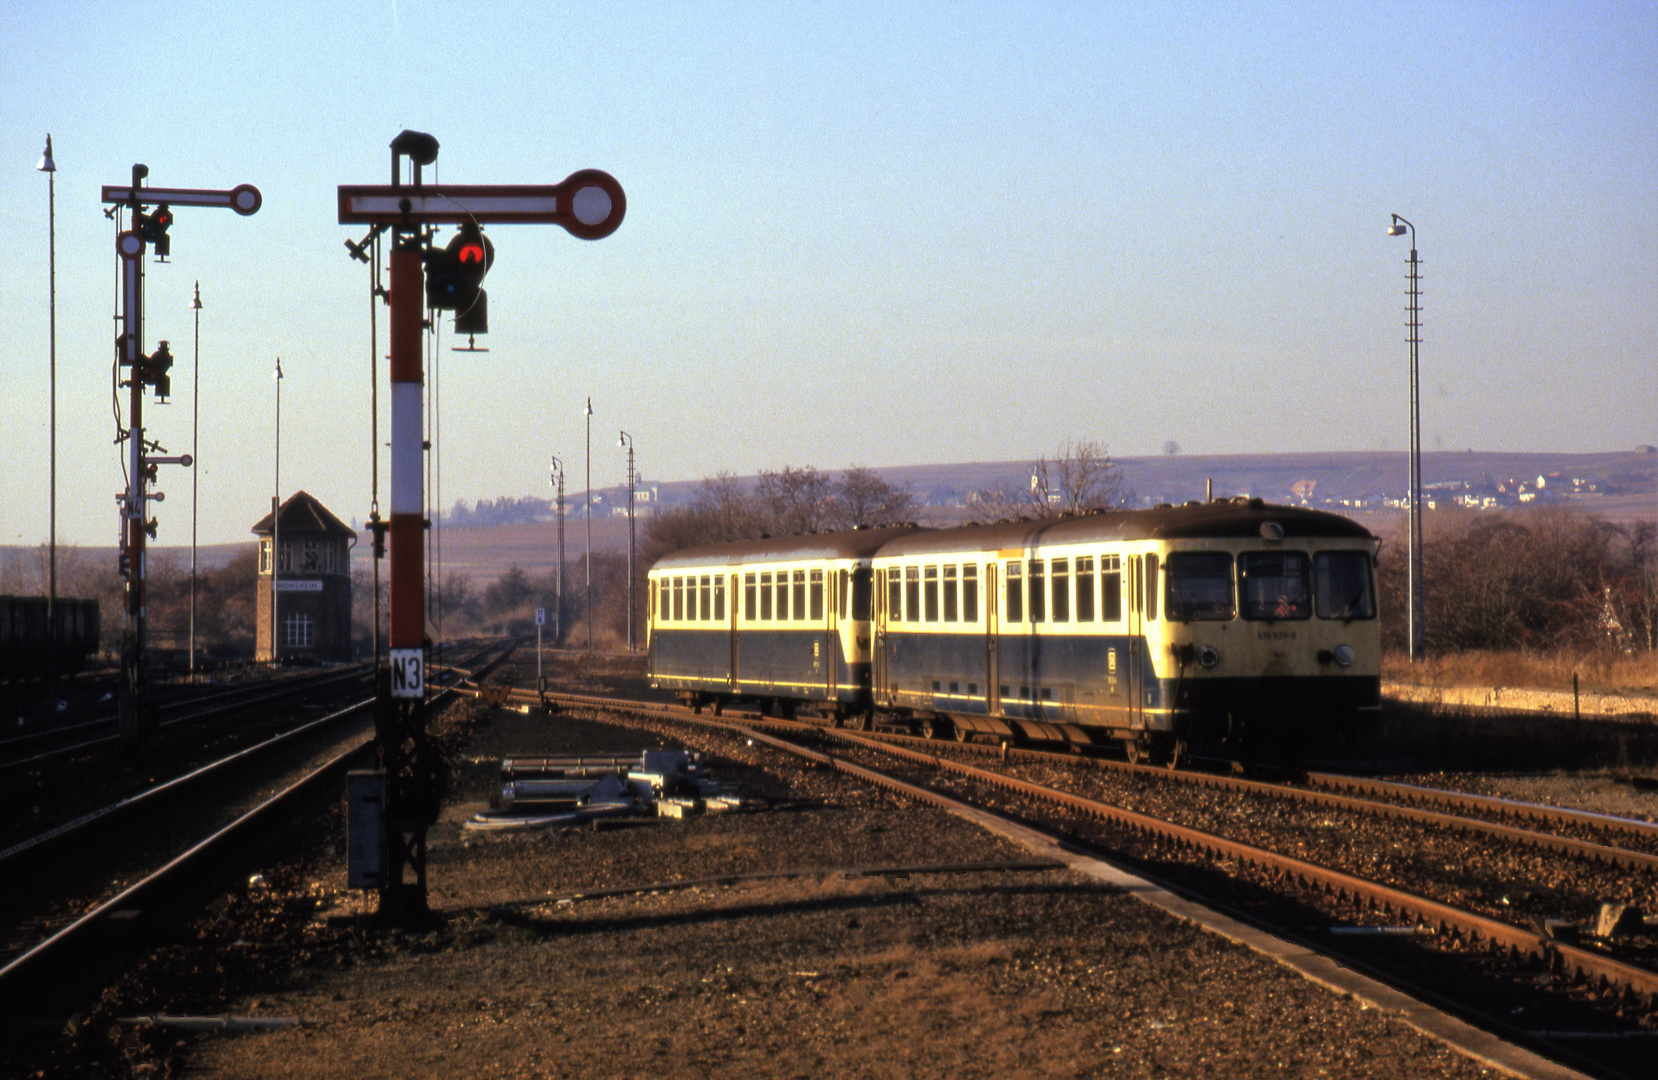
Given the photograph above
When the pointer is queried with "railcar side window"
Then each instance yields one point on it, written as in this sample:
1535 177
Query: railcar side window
1014 610
1111 588
861 580
1275 585
1062 590
719 597
929 591
748 598
1085 588
679 599
895 594
765 597
782 596
800 596
843 599
912 593
1200 586
970 593
1151 586
705 610
1341 585
817 595
1038 605
950 593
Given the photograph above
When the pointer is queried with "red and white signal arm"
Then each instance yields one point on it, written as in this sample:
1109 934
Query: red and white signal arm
590 204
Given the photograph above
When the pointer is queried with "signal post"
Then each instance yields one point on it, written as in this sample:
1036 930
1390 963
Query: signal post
589 204
144 456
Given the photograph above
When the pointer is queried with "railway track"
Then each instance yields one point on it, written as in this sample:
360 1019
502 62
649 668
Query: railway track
1583 993
142 862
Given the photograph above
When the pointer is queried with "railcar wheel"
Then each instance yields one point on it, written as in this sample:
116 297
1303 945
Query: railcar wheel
935 727
1135 751
1179 752
962 734
866 720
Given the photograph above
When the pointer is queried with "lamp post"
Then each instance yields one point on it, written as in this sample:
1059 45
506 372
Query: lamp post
587 498
626 440
195 472
557 480
50 168
1414 325
276 520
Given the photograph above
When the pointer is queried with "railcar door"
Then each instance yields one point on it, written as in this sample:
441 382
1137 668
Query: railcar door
878 608
732 598
1135 654
992 637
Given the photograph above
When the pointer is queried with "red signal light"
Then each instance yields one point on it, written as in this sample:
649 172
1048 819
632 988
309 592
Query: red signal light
472 252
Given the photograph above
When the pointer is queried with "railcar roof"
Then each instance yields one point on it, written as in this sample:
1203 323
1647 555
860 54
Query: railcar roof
1214 520
852 544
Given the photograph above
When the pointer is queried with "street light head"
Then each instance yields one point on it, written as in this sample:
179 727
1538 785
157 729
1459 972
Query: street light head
589 410
46 162
1396 229
279 368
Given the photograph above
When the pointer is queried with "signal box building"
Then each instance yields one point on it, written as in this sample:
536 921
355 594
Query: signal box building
306 567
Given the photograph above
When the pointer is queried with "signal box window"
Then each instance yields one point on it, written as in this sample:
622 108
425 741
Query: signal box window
1062 590
1014 610
929 591
1275 585
1038 606
264 556
1111 588
800 596
765 597
895 595
950 605
298 632
861 580
1085 588
1341 585
1200 586
817 595
970 593
748 598
912 593
310 557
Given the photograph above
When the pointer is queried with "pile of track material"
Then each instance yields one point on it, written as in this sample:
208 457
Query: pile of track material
551 792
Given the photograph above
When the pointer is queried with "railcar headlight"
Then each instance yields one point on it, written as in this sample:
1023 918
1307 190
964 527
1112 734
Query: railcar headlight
1343 655
1209 656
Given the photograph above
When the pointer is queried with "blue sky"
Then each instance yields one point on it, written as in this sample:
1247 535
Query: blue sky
878 234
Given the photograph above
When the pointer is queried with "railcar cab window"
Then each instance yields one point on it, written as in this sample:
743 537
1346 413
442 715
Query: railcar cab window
1341 585
1275 585
1111 588
1014 610
1200 586
970 593
843 598
765 597
950 606
1151 587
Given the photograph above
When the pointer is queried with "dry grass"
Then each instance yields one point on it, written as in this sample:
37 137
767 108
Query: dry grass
1597 669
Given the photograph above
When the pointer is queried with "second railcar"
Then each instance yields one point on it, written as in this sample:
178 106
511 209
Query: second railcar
779 621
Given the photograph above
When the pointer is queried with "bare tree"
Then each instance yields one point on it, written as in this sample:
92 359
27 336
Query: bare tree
1080 477
863 498
797 500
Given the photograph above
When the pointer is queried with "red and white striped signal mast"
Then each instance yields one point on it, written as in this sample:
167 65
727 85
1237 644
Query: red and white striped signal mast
589 204
148 230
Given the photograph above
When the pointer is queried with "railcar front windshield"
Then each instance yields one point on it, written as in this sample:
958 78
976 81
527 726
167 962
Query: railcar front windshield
1275 585
1199 586
1342 585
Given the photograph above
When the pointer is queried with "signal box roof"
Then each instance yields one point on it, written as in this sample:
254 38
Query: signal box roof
303 515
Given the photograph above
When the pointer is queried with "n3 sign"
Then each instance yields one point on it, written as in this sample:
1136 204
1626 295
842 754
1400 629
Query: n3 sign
408 673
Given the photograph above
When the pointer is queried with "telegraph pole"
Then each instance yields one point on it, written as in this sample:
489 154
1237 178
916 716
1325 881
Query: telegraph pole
627 441
590 205
143 456
557 480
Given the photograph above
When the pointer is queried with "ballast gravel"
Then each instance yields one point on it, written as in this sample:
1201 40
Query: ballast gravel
1031 972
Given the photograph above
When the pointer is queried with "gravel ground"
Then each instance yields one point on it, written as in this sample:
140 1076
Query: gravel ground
928 975
1597 791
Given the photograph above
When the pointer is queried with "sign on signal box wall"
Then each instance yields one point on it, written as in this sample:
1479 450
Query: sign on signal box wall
408 673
